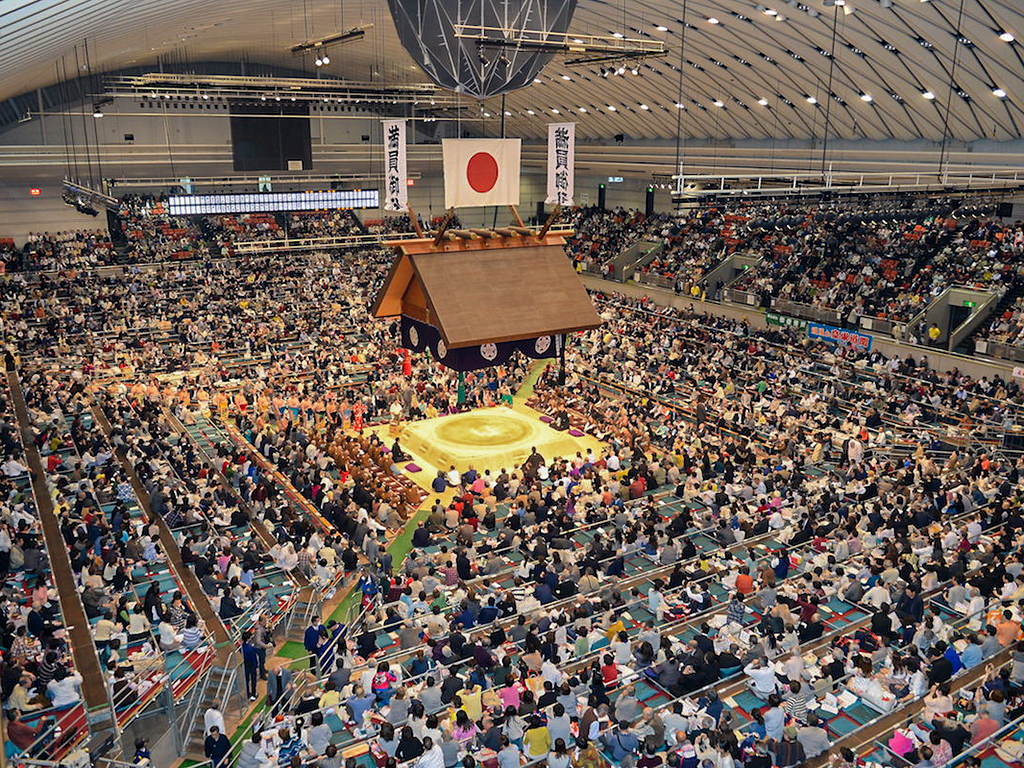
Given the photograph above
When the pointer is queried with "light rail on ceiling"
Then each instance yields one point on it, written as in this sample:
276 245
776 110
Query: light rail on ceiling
584 49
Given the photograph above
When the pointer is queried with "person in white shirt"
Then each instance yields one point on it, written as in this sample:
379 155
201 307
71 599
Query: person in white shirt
13 468
762 678
169 640
876 596
432 756
63 689
213 717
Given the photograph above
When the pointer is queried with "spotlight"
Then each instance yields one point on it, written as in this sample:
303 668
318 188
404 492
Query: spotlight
635 71
763 102
999 92
620 71
928 95
326 59
811 100
866 97
713 20
1007 37
319 62
97 112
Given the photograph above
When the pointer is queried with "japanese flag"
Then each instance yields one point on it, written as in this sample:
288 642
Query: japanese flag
480 172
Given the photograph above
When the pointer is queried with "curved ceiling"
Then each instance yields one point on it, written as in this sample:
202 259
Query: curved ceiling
762 71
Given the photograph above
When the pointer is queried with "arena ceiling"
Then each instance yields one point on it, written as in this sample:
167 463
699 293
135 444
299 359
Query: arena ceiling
901 69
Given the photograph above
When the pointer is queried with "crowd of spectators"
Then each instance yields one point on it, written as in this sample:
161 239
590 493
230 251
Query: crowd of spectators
761 499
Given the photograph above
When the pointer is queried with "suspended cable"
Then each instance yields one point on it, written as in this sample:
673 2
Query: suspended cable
828 95
949 93
94 87
71 121
63 127
679 99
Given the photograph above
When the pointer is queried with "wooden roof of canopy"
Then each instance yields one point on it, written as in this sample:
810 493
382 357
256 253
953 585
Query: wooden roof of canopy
476 291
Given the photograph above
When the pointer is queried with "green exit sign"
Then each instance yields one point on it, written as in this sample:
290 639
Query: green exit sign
969 304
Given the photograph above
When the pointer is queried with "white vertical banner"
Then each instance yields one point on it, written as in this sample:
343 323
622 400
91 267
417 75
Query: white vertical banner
396 185
561 163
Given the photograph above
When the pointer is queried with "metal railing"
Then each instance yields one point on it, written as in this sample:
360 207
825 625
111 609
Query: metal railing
809 312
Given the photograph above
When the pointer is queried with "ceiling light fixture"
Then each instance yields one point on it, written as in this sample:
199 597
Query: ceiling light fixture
644 107
866 97
619 35
763 102
1007 37
999 92
566 77
811 100
555 111
530 112
610 108
713 20
718 103
928 95
661 28
771 12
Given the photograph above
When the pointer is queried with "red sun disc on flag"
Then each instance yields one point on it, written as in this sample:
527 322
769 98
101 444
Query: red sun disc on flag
482 172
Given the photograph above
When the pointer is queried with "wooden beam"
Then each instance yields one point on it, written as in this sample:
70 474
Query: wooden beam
550 221
449 214
414 221
184 575
100 714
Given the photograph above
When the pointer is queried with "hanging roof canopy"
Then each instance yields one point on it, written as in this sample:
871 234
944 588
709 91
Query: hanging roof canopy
475 294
